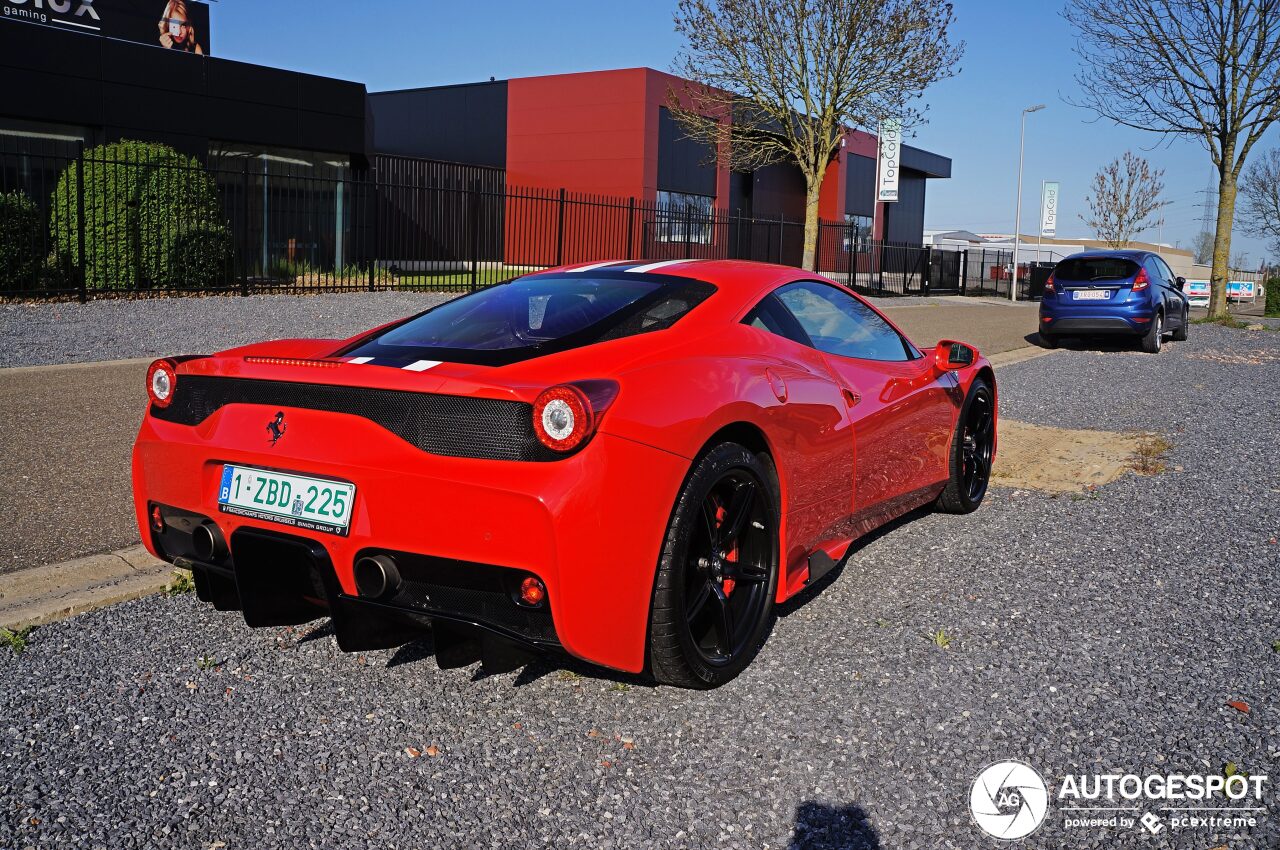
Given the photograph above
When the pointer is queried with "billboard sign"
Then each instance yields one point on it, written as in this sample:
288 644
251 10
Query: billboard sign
181 25
1241 290
890 160
1049 210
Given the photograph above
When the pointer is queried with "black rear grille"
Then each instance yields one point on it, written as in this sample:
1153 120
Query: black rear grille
454 426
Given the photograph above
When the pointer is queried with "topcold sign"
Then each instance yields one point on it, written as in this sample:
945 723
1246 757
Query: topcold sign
181 25
1049 210
890 160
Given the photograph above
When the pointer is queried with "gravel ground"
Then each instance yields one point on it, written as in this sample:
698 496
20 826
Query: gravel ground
45 334
1096 634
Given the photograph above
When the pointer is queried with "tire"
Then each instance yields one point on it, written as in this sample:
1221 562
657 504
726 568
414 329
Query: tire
970 471
1180 335
1155 334
691 645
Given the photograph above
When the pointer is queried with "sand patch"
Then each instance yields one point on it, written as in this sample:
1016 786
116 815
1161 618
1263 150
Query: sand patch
1063 460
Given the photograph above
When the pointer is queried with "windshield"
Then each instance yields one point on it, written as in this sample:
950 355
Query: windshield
1092 269
536 315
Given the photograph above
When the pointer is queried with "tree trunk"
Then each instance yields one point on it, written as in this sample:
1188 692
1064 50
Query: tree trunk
812 193
1222 245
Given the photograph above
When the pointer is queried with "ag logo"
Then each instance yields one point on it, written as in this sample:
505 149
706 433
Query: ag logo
1008 800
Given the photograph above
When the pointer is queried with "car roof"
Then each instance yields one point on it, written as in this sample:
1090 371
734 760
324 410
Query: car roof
737 276
1128 254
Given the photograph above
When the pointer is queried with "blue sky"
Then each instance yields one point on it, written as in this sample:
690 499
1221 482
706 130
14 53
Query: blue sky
1018 54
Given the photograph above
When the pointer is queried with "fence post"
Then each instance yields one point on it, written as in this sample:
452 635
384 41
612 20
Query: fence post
738 246
781 233
244 271
853 247
964 272
474 227
631 223
84 261
689 231
927 277
560 231
371 235
817 249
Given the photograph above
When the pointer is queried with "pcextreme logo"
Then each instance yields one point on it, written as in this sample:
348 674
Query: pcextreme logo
1010 800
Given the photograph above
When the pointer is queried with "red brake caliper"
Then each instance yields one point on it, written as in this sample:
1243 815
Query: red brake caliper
727 584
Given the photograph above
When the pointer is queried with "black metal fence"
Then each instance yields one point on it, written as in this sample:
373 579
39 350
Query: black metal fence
133 219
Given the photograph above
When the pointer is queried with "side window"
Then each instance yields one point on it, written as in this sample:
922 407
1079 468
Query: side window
838 323
769 315
1168 272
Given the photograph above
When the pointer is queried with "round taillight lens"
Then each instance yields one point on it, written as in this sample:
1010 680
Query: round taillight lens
532 592
562 418
162 381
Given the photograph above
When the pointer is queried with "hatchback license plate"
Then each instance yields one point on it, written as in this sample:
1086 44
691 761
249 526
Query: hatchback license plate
1091 295
316 504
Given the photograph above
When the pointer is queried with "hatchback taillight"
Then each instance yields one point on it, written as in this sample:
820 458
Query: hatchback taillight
1048 285
162 382
1141 282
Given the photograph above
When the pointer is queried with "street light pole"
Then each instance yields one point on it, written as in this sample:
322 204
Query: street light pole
1017 224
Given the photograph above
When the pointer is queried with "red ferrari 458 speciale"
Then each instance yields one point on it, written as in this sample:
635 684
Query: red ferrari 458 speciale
628 462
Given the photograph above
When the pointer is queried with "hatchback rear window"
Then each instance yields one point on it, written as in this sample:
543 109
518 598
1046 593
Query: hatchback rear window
536 315
1093 269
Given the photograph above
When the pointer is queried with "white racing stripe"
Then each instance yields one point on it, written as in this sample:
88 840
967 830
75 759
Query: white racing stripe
661 265
594 266
360 360
422 365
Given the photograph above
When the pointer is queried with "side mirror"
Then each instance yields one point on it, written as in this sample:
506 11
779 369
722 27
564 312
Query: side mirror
951 355
1182 283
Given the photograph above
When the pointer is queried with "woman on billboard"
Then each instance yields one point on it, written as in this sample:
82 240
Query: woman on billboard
176 31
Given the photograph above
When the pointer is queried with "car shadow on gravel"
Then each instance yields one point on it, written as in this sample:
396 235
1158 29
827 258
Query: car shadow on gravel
822 827
423 650
1103 344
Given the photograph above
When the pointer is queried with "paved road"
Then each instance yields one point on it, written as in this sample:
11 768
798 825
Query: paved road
70 429
1096 634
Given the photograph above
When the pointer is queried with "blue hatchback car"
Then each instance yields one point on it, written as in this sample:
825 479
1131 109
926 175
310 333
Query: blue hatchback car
1132 293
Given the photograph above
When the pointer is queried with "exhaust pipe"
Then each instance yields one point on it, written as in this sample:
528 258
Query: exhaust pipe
209 544
376 576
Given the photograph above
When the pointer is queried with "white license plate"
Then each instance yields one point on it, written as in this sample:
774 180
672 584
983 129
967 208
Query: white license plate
1091 295
316 504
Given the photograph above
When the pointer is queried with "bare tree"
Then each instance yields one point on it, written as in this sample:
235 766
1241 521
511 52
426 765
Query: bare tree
784 80
1260 189
1203 69
1203 247
1125 199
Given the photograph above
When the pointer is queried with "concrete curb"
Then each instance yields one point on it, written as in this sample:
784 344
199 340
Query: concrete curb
57 591
92 364
1019 355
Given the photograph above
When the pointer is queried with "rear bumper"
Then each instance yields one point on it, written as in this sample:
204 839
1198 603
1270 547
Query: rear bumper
1119 318
590 527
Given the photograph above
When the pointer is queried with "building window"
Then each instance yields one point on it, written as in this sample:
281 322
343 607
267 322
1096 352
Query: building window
683 217
857 232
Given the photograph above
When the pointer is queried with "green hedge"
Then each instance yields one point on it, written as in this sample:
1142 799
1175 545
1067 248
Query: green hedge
1273 296
152 219
19 242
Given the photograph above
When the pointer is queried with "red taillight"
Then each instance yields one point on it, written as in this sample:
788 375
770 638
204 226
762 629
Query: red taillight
1141 282
1048 284
566 416
162 382
532 592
